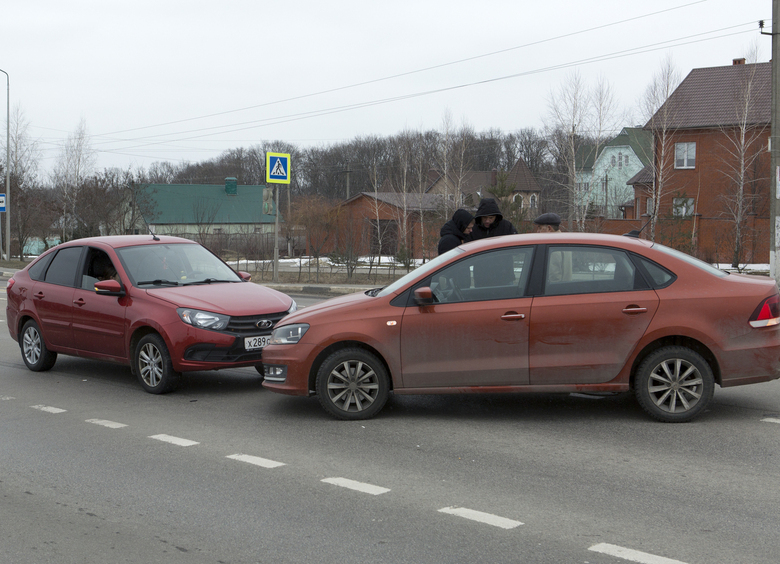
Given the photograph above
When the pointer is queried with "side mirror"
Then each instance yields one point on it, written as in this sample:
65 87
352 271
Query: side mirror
109 288
423 296
245 276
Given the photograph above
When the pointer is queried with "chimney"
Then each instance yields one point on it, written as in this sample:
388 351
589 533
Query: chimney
738 61
493 177
231 186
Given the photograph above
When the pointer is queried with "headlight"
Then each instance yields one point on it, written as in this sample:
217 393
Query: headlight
293 307
289 334
203 319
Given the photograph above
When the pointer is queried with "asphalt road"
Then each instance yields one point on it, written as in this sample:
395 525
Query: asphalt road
94 470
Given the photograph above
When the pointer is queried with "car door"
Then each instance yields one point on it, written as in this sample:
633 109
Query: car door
594 309
98 321
53 297
476 332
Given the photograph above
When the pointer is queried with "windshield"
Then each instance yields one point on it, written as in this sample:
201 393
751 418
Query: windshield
419 272
174 265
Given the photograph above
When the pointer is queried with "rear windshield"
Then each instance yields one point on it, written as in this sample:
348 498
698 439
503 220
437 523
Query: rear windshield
705 266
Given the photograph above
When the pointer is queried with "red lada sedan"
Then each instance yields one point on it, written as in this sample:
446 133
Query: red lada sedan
537 313
163 305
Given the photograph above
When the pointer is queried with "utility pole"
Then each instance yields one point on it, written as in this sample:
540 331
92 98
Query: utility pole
774 140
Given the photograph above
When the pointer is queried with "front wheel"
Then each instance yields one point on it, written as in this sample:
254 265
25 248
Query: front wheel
36 356
674 384
352 384
152 364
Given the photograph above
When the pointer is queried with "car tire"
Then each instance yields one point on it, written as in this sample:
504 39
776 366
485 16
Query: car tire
36 356
352 384
153 366
674 384
260 370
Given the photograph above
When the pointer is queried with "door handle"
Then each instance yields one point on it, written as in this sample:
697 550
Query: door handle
633 310
79 302
40 295
511 316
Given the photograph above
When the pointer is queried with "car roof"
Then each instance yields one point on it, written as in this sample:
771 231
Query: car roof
559 238
117 241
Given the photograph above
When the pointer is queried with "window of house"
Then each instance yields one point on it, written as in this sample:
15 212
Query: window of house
684 155
613 160
682 207
518 199
626 160
533 200
620 160
650 206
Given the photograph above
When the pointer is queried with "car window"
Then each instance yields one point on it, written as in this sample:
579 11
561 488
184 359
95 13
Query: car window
97 267
660 276
38 268
492 275
585 270
63 267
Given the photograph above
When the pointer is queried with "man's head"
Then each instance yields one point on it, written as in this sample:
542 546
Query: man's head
469 227
547 223
487 220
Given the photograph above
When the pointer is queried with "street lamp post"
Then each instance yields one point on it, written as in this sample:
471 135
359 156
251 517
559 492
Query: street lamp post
8 167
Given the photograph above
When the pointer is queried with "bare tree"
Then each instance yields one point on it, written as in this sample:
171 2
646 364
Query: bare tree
743 144
660 116
565 127
76 162
23 171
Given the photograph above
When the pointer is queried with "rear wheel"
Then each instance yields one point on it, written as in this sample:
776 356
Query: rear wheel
674 384
34 352
352 384
152 364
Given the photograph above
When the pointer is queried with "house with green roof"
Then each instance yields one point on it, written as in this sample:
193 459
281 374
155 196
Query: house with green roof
197 210
603 177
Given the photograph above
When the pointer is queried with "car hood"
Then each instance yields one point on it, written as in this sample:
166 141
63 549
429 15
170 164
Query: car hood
324 308
238 298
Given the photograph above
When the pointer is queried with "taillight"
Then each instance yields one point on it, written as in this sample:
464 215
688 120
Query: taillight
767 314
10 284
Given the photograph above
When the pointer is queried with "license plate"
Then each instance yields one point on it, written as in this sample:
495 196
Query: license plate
256 343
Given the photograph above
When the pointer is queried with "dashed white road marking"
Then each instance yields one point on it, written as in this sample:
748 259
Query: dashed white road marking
256 460
6 398
174 440
104 423
481 517
48 409
632 555
357 486
771 420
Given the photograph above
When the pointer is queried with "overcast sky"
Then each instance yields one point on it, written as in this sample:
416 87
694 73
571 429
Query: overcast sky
184 80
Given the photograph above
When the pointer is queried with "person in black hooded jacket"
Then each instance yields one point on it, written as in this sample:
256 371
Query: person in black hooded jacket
455 231
490 222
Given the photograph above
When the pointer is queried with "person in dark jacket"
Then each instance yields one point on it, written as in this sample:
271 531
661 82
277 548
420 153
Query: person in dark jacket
490 222
456 230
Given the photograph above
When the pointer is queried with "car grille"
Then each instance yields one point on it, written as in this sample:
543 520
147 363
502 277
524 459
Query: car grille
248 324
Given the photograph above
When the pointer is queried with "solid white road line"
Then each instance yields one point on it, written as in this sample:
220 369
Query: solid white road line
771 420
174 440
632 555
104 423
256 460
48 409
481 517
357 486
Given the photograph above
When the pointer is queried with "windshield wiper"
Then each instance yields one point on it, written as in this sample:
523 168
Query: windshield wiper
159 282
206 281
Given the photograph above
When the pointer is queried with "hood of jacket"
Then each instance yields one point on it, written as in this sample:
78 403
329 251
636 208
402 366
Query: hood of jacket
488 206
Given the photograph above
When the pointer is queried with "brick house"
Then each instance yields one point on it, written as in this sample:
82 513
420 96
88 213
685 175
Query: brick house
708 183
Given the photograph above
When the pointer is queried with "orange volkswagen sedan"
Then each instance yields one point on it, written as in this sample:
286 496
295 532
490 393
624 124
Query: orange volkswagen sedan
537 313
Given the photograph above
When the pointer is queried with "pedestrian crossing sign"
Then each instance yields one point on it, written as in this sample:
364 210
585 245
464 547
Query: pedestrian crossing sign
277 168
